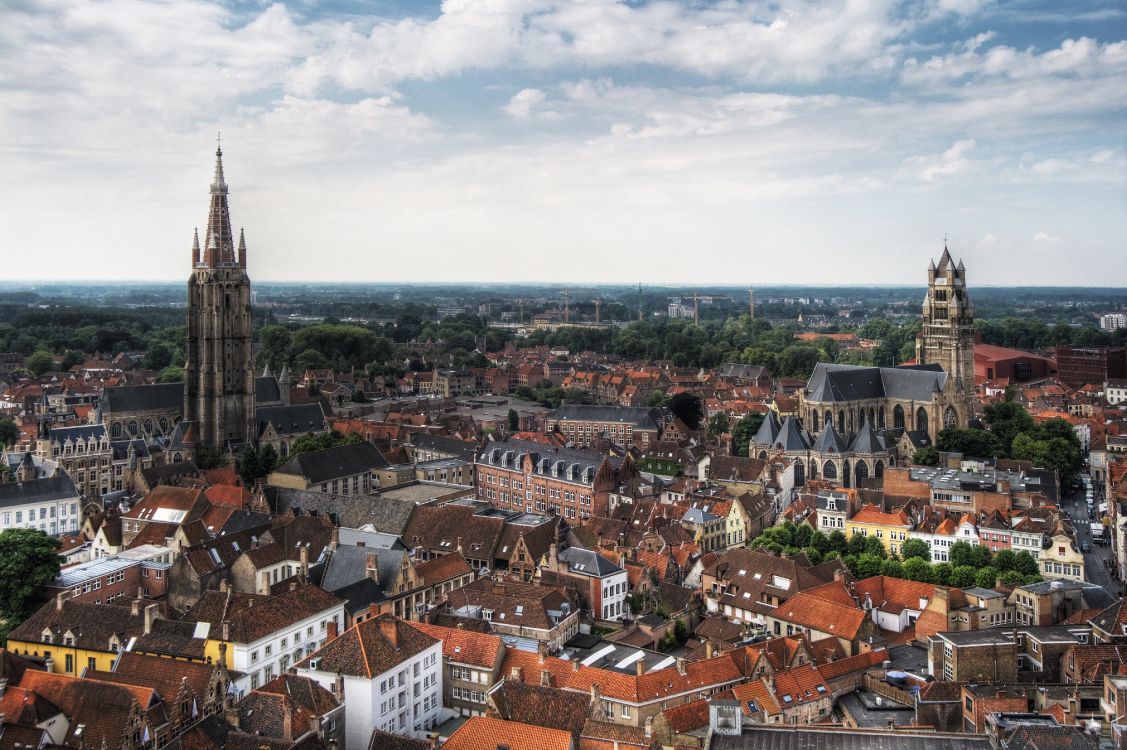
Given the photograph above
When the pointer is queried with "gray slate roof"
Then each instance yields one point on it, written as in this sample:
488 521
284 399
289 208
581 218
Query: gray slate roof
867 441
347 565
638 416
266 389
587 562
297 419
832 383
768 430
159 397
829 441
801 738
37 491
792 436
355 511
333 463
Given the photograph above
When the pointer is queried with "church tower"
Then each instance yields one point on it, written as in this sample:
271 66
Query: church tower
947 336
219 388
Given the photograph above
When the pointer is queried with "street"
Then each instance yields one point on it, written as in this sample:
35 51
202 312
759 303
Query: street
1095 562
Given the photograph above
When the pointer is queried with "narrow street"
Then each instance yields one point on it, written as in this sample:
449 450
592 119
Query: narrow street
1096 562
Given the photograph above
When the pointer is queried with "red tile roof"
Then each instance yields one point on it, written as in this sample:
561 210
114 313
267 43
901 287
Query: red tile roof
485 733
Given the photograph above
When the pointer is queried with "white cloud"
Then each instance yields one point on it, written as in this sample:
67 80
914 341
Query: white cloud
1045 238
953 161
523 102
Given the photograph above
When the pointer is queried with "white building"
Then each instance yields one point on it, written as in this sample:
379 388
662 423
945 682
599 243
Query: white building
51 505
608 583
392 676
266 636
1115 391
1113 321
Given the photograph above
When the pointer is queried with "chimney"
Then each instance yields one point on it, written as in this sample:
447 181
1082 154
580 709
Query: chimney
334 541
639 667
649 729
541 651
303 558
226 631
152 612
287 723
680 666
263 585
516 674
839 575
574 665
553 556
390 631
223 585
315 725
595 697
545 678
135 608
372 566
338 687
61 597
709 649
232 716
498 588
459 547
331 631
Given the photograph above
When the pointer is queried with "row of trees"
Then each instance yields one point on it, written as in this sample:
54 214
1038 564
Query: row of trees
866 556
1012 433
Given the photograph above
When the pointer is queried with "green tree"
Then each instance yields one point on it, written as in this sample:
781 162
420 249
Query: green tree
250 467
310 359
317 441
72 358
29 560
868 565
918 569
39 362
267 460
986 577
718 423
208 457
657 399
745 430
941 573
9 432
892 568
916 548
1013 578
971 442
927 456
1026 564
1006 419
514 420
171 374
962 576
688 408
875 546
961 554
837 541
157 357
1004 560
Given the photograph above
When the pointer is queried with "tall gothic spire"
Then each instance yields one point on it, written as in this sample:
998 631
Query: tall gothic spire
242 248
219 240
195 247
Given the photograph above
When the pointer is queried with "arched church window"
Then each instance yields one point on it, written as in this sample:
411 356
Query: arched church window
148 427
880 418
898 417
799 473
841 421
861 471
845 474
950 417
829 470
813 468
115 430
829 418
164 424
133 428
814 421
880 469
872 417
921 419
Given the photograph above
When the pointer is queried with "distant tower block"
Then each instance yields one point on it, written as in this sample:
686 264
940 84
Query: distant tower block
751 303
696 309
596 311
639 301
567 306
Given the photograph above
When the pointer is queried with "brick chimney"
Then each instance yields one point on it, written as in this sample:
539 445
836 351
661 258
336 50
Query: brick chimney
389 629
545 678
681 666
303 558
135 608
287 722
60 599
517 674
372 566
709 649
639 667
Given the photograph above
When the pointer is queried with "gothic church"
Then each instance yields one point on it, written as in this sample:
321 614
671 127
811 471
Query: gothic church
854 421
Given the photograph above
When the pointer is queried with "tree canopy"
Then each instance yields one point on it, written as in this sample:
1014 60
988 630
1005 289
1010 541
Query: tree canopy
29 559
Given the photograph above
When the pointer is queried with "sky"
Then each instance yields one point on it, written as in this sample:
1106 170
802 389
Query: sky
695 142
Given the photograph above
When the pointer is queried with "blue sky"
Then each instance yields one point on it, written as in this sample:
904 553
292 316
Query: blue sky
574 140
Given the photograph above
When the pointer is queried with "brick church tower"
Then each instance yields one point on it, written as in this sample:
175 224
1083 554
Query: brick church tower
947 336
219 374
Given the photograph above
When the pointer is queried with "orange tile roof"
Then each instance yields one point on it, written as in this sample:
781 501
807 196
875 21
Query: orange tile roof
485 733
687 716
816 613
464 646
872 514
759 693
